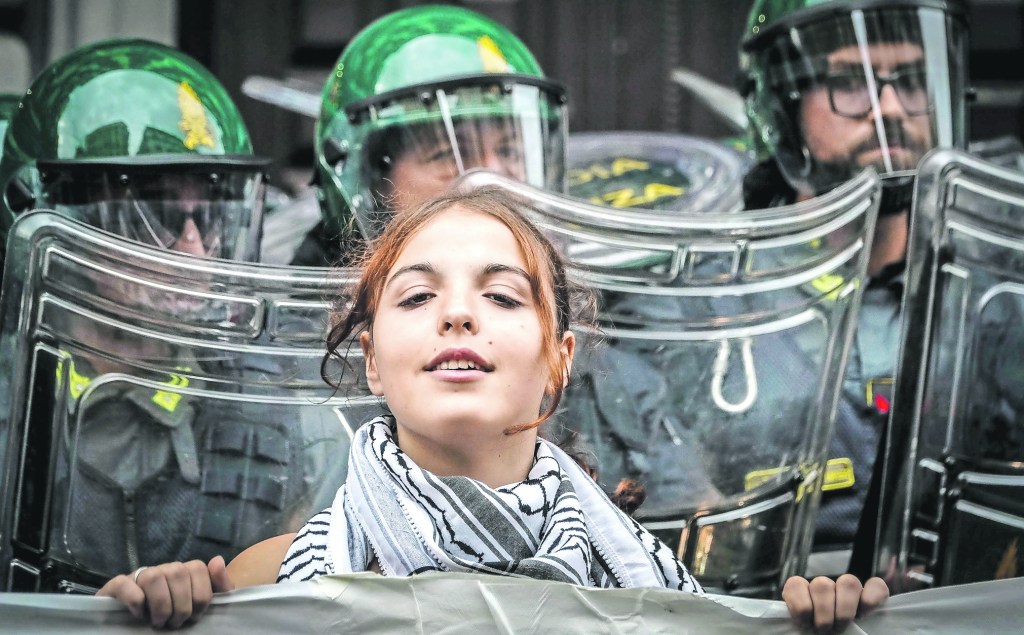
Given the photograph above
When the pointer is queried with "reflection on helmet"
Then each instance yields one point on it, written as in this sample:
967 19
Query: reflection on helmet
8 104
422 95
126 130
834 86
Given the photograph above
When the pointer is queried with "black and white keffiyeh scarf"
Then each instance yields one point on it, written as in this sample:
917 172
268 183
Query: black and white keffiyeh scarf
555 525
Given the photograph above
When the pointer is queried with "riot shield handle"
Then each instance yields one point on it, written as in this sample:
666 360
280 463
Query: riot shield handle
721 368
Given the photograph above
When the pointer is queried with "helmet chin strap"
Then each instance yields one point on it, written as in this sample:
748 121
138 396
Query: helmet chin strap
897 194
19 194
897 191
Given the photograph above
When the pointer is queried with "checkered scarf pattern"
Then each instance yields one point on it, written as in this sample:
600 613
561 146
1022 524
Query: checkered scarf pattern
555 525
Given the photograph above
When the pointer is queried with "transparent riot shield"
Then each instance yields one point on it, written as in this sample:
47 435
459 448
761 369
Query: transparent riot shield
652 170
713 375
161 407
952 504
1006 151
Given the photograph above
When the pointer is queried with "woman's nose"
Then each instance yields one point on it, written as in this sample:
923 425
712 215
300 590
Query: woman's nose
457 316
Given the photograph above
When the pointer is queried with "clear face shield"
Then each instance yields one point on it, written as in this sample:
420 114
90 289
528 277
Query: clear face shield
409 145
876 87
208 208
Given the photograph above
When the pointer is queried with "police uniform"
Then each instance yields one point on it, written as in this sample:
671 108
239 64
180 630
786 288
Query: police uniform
867 392
157 475
860 424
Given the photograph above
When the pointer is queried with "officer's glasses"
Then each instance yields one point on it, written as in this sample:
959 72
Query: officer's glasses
850 95
162 223
152 200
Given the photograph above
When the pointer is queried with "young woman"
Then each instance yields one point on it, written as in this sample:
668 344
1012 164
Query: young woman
463 313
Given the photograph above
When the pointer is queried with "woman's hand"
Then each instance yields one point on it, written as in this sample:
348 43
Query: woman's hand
170 594
831 606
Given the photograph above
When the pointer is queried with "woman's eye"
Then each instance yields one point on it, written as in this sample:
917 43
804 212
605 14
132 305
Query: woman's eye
504 301
415 300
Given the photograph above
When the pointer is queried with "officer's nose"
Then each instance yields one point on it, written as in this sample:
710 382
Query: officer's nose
190 241
499 162
492 161
889 104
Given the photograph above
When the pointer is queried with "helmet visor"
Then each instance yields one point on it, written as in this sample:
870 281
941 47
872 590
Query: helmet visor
409 146
863 88
206 208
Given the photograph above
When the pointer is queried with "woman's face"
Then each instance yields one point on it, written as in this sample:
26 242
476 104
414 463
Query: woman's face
457 345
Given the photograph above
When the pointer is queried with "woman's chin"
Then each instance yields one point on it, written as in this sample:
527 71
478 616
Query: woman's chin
457 419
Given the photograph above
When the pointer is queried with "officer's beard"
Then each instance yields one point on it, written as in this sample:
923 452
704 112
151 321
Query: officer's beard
896 135
897 187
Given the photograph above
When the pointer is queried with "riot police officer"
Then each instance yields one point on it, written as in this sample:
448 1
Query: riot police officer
117 133
418 97
832 87
140 140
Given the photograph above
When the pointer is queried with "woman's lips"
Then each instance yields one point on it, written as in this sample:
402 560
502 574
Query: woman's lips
457 355
458 376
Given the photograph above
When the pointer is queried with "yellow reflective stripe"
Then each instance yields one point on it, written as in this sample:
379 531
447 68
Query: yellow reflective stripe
829 284
759 477
77 383
166 400
169 400
838 475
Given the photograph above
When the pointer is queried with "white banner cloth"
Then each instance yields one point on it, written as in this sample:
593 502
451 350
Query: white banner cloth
471 604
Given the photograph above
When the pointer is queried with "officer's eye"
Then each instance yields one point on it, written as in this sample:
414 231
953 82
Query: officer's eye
847 82
438 153
508 151
911 79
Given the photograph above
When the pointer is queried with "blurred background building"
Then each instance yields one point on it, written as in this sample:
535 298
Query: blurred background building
615 56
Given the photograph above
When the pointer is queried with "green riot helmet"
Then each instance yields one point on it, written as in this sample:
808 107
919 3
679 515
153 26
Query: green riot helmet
833 86
425 94
140 140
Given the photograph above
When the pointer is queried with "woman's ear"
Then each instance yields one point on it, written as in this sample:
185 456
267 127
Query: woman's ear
568 349
372 377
